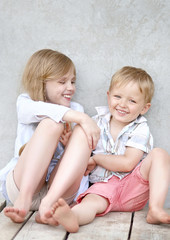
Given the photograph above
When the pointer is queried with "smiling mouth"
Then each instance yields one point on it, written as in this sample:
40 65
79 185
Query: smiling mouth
67 96
121 111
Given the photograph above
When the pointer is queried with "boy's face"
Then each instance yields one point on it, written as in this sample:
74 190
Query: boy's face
61 91
126 103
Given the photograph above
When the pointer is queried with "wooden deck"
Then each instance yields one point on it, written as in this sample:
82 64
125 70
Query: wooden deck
116 225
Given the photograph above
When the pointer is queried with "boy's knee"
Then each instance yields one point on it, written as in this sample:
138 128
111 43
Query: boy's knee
160 152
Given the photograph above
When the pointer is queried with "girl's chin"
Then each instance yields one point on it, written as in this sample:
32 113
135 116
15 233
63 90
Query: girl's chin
66 103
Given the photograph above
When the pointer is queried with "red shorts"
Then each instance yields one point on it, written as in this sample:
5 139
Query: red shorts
125 195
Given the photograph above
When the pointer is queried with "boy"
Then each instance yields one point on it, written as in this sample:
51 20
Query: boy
124 170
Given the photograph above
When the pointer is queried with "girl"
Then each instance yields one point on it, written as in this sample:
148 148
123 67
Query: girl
36 178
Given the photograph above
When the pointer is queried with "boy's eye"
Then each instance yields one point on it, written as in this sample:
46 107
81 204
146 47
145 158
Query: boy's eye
132 101
117 96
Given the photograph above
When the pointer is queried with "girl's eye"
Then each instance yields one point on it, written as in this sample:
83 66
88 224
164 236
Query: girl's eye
62 82
73 82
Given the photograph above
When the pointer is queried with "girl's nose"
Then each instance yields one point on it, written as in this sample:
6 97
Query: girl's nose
70 85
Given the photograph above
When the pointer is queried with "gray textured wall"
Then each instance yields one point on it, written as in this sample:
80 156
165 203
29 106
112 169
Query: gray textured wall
100 36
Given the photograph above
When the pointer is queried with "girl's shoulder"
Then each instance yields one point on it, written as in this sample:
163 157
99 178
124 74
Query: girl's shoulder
23 96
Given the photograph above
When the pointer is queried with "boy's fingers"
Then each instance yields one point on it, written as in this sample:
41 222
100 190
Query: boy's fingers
86 172
68 127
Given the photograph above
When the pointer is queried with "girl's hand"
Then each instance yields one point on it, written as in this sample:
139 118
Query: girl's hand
88 125
90 167
91 130
66 134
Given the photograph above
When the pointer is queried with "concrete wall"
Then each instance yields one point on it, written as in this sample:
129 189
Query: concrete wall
101 37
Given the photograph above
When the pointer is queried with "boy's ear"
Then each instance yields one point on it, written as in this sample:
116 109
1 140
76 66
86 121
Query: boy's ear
145 108
108 97
107 93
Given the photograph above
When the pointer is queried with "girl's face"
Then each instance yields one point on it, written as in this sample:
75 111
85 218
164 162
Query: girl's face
126 103
60 91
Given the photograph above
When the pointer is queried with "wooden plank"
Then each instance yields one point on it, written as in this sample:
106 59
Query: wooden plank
141 230
8 229
114 225
33 230
2 202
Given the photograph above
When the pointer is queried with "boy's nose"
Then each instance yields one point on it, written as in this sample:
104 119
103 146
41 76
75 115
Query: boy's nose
122 103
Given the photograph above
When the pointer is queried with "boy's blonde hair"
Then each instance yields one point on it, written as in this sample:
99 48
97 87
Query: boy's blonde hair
42 65
137 75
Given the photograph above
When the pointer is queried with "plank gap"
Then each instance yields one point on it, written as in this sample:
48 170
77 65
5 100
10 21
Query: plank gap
131 225
66 236
2 206
22 225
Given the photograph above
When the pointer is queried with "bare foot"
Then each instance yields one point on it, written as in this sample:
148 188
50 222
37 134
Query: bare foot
47 219
15 214
64 216
45 214
158 216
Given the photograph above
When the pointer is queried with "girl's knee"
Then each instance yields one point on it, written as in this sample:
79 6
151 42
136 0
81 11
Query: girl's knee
78 128
51 126
79 131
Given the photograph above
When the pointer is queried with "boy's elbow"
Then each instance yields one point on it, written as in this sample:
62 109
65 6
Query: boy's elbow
129 167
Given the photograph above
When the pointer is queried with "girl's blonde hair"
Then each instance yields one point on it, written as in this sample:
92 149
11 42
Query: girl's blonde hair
137 75
42 65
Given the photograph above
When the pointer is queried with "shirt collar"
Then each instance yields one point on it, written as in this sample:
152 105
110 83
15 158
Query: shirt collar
102 110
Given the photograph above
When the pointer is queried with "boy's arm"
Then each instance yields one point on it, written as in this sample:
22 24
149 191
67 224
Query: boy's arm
119 163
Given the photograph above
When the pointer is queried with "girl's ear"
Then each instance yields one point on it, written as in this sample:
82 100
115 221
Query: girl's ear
145 108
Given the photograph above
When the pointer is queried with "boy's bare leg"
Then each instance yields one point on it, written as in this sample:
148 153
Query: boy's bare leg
66 178
156 169
30 171
80 214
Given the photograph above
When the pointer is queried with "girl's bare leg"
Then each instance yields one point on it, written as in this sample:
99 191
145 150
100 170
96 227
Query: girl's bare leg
30 171
80 214
66 178
156 168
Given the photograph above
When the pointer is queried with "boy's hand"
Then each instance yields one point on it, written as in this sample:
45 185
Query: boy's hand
66 134
90 167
